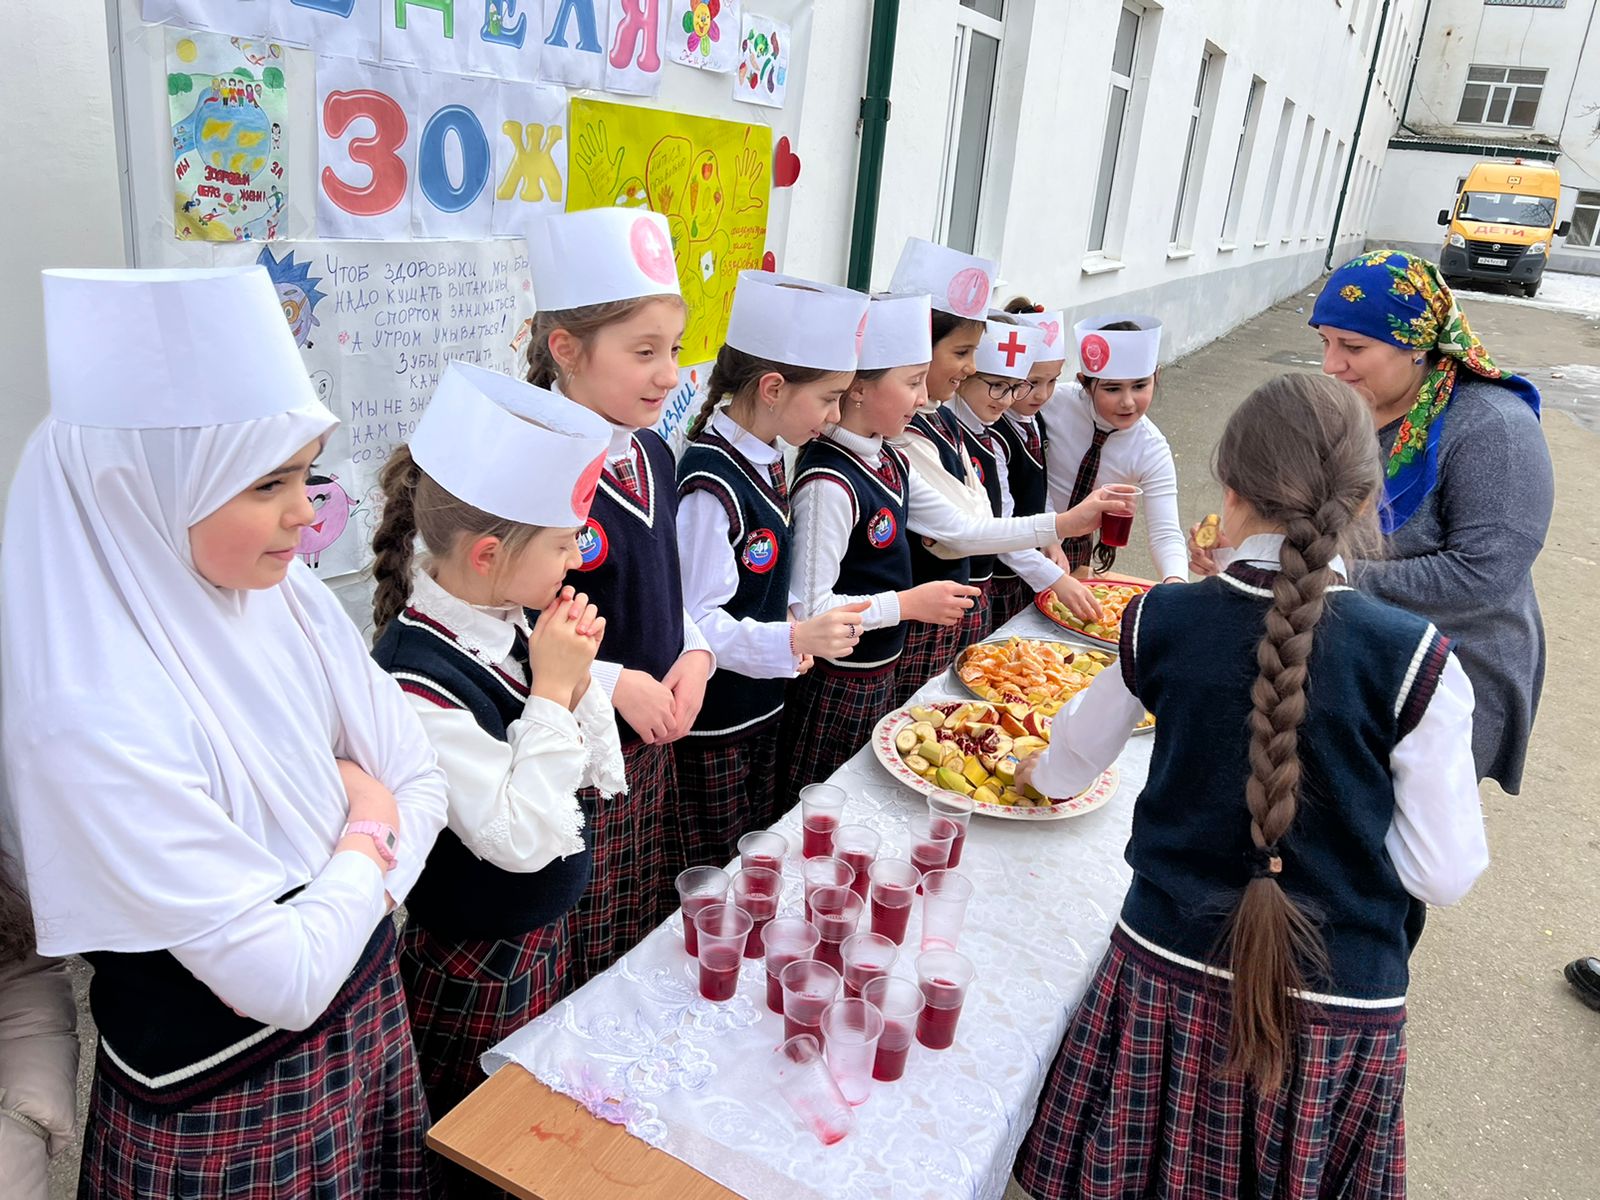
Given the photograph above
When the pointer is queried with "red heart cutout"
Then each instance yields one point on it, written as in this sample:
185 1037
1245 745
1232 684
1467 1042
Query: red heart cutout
785 164
769 262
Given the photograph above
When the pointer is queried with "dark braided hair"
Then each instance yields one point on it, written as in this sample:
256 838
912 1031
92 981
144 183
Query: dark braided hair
16 921
1300 452
734 376
414 504
945 324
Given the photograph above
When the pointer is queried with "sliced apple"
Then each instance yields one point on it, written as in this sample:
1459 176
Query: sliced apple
984 795
952 781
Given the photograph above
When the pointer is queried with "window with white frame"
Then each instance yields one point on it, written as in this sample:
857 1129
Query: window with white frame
979 25
1194 150
1316 184
1501 96
1325 217
1299 177
1269 200
1124 57
1585 220
1241 159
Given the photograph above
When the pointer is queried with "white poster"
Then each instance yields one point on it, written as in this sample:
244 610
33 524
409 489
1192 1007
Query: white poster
338 28
637 46
763 74
530 156
376 324
574 49
508 40
366 143
244 18
703 34
454 161
431 34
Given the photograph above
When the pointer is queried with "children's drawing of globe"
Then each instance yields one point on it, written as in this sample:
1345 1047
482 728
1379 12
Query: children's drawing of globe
237 138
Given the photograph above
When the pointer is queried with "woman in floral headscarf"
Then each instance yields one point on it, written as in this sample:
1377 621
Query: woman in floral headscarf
1467 484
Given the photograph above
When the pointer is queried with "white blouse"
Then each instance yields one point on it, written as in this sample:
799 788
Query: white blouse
1139 456
823 520
514 803
754 649
1031 566
1436 839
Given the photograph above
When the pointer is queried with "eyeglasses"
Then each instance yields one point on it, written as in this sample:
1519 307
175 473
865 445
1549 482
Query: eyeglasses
999 389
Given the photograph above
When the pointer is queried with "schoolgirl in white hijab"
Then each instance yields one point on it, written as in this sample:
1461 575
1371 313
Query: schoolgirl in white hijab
216 794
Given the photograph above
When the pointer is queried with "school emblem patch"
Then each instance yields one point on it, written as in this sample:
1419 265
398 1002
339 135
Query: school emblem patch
592 545
760 552
976 466
881 529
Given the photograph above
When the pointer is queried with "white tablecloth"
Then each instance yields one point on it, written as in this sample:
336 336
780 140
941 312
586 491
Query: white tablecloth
639 1046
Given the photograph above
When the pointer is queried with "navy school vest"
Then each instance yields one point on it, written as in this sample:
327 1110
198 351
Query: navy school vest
878 556
1189 654
630 567
1025 473
760 536
458 894
940 428
985 454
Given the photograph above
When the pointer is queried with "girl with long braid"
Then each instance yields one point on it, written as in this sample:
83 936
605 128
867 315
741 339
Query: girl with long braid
1244 1034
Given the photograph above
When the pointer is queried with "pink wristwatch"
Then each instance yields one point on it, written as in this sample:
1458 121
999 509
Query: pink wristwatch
383 836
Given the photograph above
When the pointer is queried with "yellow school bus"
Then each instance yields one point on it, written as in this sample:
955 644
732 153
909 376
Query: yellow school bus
1502 224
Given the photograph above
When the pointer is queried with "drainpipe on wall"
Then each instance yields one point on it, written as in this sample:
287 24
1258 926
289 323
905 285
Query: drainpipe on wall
874 131
1355 138
1422 36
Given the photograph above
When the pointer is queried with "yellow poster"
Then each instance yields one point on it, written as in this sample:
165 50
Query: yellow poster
711 179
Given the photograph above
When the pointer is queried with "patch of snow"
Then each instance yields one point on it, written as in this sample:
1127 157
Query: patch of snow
1559 291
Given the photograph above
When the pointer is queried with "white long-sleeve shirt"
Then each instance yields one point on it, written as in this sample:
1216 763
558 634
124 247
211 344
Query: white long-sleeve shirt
823 520
1139 456
1436 838
606 672
710 568
283 963
1030 565
514 803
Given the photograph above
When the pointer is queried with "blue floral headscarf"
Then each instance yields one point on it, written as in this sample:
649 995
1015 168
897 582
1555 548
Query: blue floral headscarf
1401 299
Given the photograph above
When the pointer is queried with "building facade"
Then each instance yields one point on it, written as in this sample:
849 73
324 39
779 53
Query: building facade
1186 160
1499 78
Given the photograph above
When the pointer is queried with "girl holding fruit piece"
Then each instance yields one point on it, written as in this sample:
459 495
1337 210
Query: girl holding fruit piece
507 706
789 357
1004 360
606 336
1101 434
1300 811
857 504
1025 444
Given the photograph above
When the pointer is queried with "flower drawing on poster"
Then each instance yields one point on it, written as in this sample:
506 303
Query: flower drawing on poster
763 76
229 111
700 33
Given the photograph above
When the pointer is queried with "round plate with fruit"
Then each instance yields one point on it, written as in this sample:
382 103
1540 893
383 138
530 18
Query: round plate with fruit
1040 674
977 746
1113 596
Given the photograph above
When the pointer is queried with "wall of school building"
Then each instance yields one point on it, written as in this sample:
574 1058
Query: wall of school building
1203 237
63 209
1464 42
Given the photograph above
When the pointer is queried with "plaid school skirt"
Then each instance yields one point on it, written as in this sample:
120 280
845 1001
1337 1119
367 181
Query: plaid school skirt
340 1117
929 650
631 885
1008 595
828 714
1137 1103
725 790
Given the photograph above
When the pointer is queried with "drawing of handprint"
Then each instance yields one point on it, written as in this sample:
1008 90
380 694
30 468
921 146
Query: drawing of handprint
747 178
594 159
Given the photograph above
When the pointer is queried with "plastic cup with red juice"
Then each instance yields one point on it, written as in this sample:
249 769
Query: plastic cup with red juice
944 977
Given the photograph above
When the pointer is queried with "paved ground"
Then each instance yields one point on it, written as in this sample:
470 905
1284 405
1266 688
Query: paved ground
1501 1103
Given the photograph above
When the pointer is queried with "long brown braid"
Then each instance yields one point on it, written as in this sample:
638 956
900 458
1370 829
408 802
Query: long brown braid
734 377
414 504
1300 451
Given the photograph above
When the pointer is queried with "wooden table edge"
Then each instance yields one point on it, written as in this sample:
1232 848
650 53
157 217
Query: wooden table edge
511 1122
